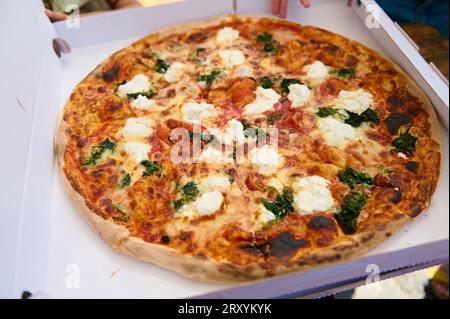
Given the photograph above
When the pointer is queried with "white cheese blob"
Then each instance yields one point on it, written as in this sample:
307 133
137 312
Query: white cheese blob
234 132
244 71
317 72
232 58
137 151
312 194
266 159
209 203
138 127
138 84
174 72
212 155
335 132
226 35
265 100
263 216
194 112
143 103
299 94
354 101
214 183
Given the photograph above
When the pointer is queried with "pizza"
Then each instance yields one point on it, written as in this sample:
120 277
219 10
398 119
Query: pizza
246 147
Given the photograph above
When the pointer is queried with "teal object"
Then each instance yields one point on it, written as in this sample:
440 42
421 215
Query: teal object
431 12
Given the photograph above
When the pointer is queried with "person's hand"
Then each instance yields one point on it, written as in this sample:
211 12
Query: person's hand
55 16
280 7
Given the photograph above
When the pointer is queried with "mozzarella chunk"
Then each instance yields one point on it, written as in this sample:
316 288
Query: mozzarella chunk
138 84
143 103
174 72
138 127
209 203
317 72
263 216
226 35
231 58
215 182
211 155
138 151
266 159
312 194
298 94
335 132
235 131
194 112
244 71
265 100
355 101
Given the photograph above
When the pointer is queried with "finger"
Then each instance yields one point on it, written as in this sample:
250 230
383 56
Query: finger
55 16
349 3
283 8
275 6
305 3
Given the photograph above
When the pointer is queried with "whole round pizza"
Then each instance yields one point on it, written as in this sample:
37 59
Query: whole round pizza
244 147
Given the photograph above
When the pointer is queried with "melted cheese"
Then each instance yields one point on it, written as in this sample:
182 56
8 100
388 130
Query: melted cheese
235 131
299 94
263 216
137 127
215 182
312 194
265 100
354 101
137 151
266 159
174 72
317 72
143 103
226 35
194 112
208 203
335 132
244 71
138 84
211 155
232 58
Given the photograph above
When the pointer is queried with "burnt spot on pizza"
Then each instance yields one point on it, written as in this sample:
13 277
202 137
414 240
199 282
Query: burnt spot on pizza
393 101
252 249
197 37
397 197
366 237
285 245
322 222
412 166
395 121
415 209
111 74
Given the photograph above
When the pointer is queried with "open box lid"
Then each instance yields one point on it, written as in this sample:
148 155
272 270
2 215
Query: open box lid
33 84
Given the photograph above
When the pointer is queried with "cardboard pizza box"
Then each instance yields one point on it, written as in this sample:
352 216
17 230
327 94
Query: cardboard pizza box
44 244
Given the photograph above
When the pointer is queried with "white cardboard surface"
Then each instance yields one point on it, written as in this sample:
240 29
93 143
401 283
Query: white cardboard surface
63 246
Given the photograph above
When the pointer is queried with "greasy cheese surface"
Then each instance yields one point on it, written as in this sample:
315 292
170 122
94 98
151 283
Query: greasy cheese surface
129 102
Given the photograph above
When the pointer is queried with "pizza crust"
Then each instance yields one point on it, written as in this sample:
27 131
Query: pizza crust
204 268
